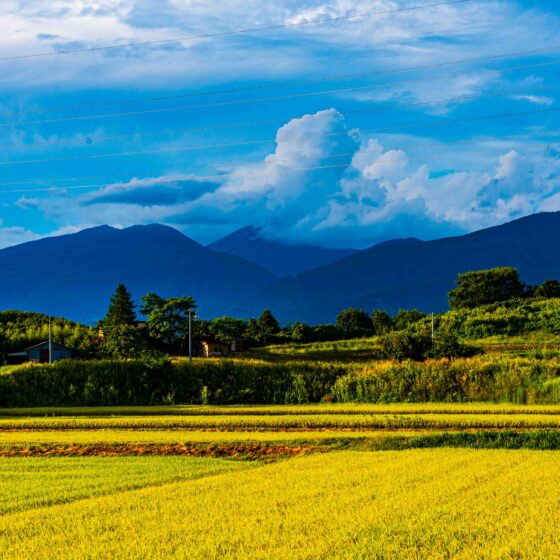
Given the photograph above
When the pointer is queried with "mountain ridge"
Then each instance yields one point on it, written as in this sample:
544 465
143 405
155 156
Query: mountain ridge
282 259
417 275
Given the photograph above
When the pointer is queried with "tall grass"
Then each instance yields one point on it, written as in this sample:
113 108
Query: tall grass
490 378
484 378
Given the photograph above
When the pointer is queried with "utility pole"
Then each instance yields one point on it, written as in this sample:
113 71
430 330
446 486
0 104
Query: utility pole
433 329
190 335
50 340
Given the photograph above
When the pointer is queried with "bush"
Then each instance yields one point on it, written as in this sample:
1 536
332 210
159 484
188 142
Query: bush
403 345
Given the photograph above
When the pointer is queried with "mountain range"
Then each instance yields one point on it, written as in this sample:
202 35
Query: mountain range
244 273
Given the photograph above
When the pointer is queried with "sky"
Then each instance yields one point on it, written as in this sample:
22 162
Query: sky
384 122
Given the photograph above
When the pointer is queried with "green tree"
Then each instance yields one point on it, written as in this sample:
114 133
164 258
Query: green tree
548 290
167 319
484 287
228 329
381 322
405 318
354 323
121 309
125 341
267 326
300 332
251 333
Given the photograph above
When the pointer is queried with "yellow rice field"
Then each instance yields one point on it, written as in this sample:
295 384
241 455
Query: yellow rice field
416 504
271 422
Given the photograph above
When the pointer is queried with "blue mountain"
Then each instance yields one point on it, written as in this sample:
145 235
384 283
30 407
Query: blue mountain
413 274
74 275
280 258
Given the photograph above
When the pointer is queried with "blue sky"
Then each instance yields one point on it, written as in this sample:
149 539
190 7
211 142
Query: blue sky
327 139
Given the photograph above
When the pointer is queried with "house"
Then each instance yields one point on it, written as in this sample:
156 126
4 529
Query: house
215 349
40 353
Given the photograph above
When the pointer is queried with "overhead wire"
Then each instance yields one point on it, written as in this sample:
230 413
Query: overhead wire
493 138
233 32
343 77
197 179
229 103
269 161
254 142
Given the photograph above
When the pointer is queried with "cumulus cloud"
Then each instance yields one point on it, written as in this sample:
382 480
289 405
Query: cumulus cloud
325 183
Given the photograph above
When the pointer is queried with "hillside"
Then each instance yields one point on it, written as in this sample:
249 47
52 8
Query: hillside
417 274
280 258
74 275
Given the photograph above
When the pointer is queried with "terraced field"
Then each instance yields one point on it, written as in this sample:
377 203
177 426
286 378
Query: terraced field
324 481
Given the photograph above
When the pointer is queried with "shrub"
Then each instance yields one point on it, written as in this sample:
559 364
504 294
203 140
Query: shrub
403 345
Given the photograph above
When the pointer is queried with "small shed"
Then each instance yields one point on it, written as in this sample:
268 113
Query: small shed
40 353
215 349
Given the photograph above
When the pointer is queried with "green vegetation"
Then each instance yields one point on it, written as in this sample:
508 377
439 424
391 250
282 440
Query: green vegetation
483 287
20 330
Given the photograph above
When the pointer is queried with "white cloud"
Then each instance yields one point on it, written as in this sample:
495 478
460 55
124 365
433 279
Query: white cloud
15 235
329 185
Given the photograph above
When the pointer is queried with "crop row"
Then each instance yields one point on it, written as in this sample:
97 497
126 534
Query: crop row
300 422
284 410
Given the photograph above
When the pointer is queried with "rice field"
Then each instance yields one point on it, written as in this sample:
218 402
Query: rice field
444 503
291 482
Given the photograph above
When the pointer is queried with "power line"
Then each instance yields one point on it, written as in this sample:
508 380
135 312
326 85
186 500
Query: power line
230 103
177 131
252 142
422 145
230 33
343 77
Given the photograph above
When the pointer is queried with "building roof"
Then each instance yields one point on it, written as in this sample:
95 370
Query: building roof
54 345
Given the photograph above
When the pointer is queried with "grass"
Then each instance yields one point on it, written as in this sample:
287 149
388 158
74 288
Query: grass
355 350
22 439
441 503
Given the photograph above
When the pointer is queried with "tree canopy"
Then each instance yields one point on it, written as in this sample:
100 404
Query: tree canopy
354 323
167 319
484 287
227 329
547 290
121 309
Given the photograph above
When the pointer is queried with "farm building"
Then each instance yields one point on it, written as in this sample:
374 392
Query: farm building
40 353
215 349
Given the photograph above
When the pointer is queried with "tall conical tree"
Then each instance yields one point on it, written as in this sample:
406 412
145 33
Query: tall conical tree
121 309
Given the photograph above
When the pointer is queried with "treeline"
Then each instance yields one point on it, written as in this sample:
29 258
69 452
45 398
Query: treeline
163 381
484 303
